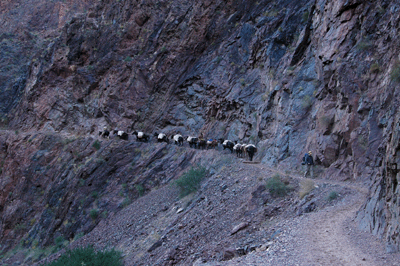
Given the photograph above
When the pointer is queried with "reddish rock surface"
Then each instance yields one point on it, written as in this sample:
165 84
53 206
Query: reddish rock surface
289 76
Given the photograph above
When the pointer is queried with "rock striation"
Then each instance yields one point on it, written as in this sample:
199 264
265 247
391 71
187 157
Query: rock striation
289 76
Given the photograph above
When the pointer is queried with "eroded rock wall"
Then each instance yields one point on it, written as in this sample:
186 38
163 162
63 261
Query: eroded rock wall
289 76
26 29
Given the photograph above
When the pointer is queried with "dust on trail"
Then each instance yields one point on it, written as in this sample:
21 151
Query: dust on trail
326 237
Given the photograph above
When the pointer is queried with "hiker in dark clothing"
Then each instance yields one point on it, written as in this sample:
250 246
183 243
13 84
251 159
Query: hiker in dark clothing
309 162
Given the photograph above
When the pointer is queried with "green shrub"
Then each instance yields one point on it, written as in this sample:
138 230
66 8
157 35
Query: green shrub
96 145
59 242
88 256
126 202
140 189
94 213
276 187
395 73
190 181
305 16
79 235
271 13
332 195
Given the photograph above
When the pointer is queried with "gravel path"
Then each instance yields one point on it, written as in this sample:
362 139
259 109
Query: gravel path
326 237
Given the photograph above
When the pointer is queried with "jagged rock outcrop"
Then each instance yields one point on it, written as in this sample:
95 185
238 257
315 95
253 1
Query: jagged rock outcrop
290 76
26 29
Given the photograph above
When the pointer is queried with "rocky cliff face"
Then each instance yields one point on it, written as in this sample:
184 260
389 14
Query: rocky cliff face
26 29
289 76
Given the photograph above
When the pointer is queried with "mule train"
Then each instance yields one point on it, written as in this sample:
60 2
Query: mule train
241 150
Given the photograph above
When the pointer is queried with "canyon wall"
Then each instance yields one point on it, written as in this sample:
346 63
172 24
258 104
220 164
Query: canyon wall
289 76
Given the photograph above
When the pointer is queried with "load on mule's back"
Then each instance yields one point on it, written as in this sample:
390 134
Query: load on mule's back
227 144
238 148
161 137
192 141
121 134
212 144
140 136
178 139
251 149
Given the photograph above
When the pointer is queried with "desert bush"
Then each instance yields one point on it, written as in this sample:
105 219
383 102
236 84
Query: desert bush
96 145
305 16
276 187
395 73
126 202
332 195
190 181
94 213
95 194
88 256
140 189
59 242
79 235
271 13
306 186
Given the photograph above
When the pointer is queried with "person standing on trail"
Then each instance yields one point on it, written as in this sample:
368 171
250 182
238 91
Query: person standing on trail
309 162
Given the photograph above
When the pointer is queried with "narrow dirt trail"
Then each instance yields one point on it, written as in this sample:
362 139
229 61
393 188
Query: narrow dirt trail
331 236
326 237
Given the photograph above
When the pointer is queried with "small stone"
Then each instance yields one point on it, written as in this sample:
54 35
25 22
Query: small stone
239 227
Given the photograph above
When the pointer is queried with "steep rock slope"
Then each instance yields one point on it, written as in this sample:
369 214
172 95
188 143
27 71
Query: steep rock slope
26 29
290 76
